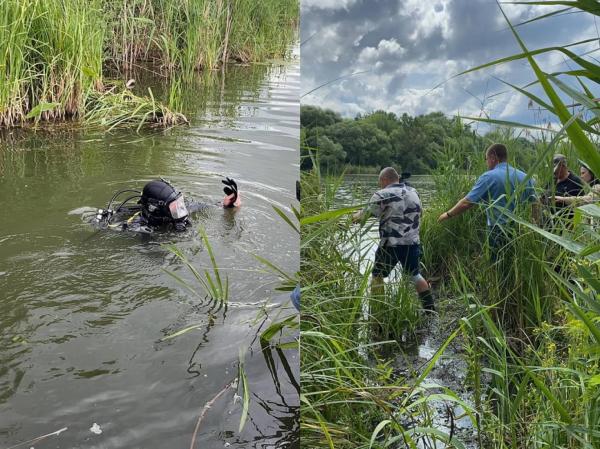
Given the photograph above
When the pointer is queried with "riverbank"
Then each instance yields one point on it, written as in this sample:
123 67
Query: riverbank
509 359
86 315
60 56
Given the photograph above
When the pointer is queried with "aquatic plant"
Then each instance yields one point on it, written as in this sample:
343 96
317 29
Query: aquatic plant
351 395
211 281
56 53
113 110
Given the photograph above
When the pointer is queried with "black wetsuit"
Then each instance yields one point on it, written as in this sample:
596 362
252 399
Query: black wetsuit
132 219
159 207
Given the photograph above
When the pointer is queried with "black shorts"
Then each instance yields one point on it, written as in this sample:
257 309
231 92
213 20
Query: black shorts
386 259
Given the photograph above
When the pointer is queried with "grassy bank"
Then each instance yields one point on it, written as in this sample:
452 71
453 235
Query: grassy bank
527 331
58 53
352 396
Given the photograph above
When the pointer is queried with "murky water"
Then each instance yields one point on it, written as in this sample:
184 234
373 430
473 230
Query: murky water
414 355
82 313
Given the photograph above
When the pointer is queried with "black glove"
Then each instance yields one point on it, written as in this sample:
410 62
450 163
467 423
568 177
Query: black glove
230 187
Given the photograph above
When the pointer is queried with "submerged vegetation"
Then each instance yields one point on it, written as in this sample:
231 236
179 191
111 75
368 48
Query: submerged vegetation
58 55
526 322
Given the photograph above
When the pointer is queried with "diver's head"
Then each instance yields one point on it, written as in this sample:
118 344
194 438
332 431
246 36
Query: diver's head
161 203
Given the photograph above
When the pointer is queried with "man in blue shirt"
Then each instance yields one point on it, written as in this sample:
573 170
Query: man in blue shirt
501 188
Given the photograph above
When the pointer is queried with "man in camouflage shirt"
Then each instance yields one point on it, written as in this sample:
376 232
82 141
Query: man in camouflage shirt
398 207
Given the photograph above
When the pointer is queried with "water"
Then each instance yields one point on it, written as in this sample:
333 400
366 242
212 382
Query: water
82 313
414 354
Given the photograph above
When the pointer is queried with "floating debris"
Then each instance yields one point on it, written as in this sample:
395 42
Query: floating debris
96 429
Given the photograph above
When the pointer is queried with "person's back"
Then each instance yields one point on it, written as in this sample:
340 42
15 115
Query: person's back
398 208
502 187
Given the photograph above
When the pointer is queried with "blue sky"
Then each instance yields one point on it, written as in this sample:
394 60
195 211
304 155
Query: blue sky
408 47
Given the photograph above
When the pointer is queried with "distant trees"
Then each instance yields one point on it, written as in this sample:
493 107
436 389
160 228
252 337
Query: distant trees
381 138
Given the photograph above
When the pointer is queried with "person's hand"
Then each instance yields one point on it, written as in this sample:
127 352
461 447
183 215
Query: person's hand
443 217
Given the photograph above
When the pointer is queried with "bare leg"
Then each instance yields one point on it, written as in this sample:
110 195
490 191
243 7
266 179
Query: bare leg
377 287
422 285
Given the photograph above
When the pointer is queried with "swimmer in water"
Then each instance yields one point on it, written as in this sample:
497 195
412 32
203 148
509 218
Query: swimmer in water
159 207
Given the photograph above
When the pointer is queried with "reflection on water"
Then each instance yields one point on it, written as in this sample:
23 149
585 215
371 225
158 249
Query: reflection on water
83 313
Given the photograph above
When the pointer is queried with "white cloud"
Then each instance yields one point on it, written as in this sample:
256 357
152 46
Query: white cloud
427 17
411 46
386 50
326 4
515 105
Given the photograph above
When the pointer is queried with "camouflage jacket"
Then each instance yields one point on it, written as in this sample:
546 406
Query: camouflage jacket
398 208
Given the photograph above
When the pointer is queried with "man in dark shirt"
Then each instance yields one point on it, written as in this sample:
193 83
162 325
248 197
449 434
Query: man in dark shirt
567 184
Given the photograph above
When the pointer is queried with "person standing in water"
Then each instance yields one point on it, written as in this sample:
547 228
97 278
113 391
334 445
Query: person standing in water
398 207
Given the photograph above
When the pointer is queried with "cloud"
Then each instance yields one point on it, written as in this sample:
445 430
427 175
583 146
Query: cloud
411 46
515 104
326 4
379 58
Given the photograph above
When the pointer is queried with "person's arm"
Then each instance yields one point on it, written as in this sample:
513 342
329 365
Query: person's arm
372 208
460 207
477 193
358 216
566 200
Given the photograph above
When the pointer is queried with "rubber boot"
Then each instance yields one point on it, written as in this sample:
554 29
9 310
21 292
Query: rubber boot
427 301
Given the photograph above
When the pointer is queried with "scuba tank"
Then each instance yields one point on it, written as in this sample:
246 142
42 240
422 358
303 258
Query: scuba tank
158 205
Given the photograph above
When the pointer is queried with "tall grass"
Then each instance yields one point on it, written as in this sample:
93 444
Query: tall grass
350 395
536 332
57 52
530 314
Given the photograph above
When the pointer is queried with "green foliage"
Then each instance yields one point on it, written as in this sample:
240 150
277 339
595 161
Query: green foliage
55 52
350 396
211 282
536 330
381 138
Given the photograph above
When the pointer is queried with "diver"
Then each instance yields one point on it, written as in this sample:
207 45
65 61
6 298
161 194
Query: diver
159 207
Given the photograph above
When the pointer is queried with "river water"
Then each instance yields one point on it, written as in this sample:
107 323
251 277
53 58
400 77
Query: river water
413 354
82 313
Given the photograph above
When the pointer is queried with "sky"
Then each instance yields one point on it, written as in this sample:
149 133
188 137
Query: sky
405 48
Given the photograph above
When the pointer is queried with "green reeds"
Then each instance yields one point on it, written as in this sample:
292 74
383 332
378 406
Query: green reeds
112 110
351 397
542 393
52 53
210 280
55 51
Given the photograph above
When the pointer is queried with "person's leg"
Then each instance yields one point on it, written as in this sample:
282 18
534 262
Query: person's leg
377 287
382 268
410 264
384 264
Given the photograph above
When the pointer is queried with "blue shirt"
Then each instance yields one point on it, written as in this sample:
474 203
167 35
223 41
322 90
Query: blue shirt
497 187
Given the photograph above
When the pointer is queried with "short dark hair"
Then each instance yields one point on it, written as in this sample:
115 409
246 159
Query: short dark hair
498 150
390 174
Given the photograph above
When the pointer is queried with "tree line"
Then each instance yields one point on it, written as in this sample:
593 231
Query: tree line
381 138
